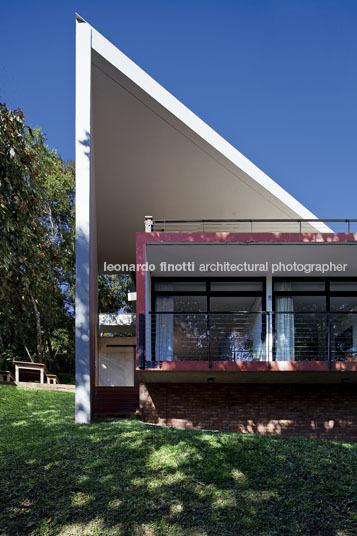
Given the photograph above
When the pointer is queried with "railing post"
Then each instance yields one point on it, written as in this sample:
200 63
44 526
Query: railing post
148 224
329 340
209 340
269 337
141 340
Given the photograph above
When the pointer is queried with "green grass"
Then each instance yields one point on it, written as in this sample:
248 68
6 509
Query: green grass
123 478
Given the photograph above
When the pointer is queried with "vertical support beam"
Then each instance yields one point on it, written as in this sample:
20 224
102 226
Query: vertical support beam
141 328
148 224
209 340
42 376
17 374
329 340
269 318
85 236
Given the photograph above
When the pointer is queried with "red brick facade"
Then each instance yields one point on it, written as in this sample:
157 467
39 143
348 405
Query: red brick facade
316 411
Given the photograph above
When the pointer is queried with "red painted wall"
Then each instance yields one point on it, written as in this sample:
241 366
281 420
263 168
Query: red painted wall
157 237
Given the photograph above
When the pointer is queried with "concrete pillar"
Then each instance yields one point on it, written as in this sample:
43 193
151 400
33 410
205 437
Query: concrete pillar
17 375
42 377
86 261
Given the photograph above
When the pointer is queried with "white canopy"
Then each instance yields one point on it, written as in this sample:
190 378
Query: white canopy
151 155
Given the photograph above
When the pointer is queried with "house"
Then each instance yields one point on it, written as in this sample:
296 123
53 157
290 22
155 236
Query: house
246 302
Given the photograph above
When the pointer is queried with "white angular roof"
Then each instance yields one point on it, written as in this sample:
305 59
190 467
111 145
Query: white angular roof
149 154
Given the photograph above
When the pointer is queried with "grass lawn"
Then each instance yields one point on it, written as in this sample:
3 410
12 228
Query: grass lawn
123 478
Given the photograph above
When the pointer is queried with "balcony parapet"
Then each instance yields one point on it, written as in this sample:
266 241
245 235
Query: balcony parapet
254 225
260 336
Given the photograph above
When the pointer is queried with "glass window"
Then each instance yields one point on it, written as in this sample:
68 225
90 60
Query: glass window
300 286
239 335
344 337
300 304
180 304
180 286
235 303
236 286
343 304
300 336
343 285
181 326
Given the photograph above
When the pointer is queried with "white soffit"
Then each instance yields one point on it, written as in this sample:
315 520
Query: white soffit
152 155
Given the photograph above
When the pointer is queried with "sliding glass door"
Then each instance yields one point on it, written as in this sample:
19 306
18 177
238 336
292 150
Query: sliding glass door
201 319
314 320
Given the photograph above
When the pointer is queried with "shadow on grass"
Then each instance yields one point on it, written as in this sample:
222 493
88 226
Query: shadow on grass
124 478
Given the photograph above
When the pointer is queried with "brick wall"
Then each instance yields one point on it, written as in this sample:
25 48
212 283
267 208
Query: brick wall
316 411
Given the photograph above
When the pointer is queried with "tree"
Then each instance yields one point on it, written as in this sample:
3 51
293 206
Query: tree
36 243
21 241
113 293
37 262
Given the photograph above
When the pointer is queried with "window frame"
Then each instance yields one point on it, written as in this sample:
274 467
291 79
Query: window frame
327 292
208 292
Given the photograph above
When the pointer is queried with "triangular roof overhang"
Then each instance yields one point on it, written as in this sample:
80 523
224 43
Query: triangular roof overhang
143 152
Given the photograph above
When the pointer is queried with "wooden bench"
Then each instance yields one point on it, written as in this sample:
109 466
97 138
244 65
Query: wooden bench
34 371
6 376
31 371
52 378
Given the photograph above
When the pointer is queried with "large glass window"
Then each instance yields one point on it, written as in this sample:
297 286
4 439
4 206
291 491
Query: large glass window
180 286
315 319
236 286
343 304
211 318
301 304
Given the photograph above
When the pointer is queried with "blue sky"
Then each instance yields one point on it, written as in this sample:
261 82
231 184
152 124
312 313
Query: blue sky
276 78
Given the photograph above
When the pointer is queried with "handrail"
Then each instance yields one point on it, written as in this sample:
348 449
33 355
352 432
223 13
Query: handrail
179 224
266 220
206 336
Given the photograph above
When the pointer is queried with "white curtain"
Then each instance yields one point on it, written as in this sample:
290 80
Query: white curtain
256 331
284 324
164 325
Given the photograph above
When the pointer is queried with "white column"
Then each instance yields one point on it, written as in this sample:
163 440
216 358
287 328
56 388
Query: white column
17 375
148 224
85 229
42 378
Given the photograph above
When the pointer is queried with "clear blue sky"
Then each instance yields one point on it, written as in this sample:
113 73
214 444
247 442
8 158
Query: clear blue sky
276 78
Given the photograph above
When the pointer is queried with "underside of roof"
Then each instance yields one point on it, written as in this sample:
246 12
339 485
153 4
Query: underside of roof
150 155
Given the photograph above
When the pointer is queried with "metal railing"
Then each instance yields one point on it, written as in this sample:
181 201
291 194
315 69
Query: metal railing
250 336
223 336
314 336
255 225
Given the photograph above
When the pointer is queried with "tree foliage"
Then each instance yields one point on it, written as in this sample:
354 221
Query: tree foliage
112 293
36 243
37 254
